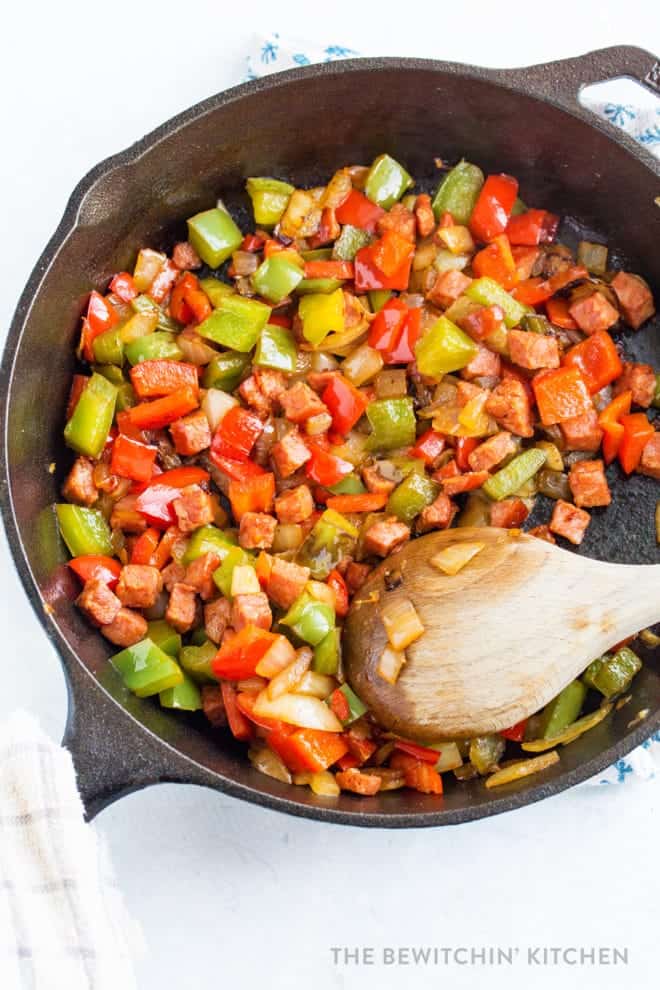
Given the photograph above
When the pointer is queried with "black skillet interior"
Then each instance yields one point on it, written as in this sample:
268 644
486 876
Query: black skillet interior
301 126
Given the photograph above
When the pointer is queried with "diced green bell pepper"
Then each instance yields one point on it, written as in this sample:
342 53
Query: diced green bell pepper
562 710
310 619
518 207
158 346
356 706
225 371
318 254
85 531
321 314
487 292
613 673
88 428
443 349
165 637
386 182
276 348
378 298
515 474
236 323
196 661
411 496
392 424
535 323
126 397
326 653
234 557
269 199
112 372
350 485
145 304
458 192
318 286
146 669
215 289
198 637
208 539
108 348
276 278
350 241
214 236
184 696
322 550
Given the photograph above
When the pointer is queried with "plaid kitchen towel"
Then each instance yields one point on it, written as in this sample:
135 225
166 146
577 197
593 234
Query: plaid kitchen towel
63 925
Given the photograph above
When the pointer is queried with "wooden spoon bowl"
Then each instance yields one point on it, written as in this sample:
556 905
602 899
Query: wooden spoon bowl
502 637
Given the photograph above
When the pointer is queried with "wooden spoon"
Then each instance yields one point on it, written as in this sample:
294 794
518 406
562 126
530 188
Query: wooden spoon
502 637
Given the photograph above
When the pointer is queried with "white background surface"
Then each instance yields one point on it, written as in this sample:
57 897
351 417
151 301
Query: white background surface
228 894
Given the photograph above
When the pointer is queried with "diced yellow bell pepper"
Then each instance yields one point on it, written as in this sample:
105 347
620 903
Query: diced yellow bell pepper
322 314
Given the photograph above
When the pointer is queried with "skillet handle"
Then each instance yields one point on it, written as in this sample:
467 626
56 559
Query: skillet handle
113 754
562 81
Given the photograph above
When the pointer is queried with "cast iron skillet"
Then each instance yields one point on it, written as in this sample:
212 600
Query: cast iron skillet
304 124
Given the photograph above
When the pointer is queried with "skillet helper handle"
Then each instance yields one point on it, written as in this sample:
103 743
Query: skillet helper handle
112 754
562 81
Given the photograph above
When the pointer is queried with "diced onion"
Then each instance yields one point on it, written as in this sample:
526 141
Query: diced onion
424 256
252 684
268 762
337 190
390 779
289 677
649 638
288 536
449 757
445 261
571 732
320 423
244 581
319 685
321 361
457 239
324 784
402 623
391 383
453 558
215 405
278 656
343 343
147 266
322 592
298 709
522 768
390 664
362 364
554 461
194 349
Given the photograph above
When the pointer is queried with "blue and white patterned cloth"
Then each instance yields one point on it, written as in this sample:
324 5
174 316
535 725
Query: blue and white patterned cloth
624 104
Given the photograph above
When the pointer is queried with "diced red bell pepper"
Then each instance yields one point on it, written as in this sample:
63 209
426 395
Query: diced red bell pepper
145 546
360 748
395 331
483 322
188 302
96 567
252 494
496 261
345 403
358 211
637 431
561 394
516 733
161 412
597 359
368 274
280 320
325 468
557 310
234 469
565 277
328 269
403 351
123 286
339 705
492 210
462 451
532 227
154 379
246 701
237 433
263 566
310 750
612 428
391 251
424 778
238 724
131 459
252 243
429 446
238 657
78 383
531 291
164 550
340 590
329 229
155 504
366 502
348 762
101 316
179 477
422 753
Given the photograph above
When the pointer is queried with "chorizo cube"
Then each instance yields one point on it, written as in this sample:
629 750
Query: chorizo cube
127 628
290 453
385 536
217 617
213 706
438 515
79 486
485 364
199 575
193 508
286 582
533 350
582 432
185 257
300 402
569 521
509 513
98 602
294 506
139 585
257 530
640 380
594 312
181 609
635 299
447 287
650 461
173 574
510 405
492 452
251 610
588 484
191 434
